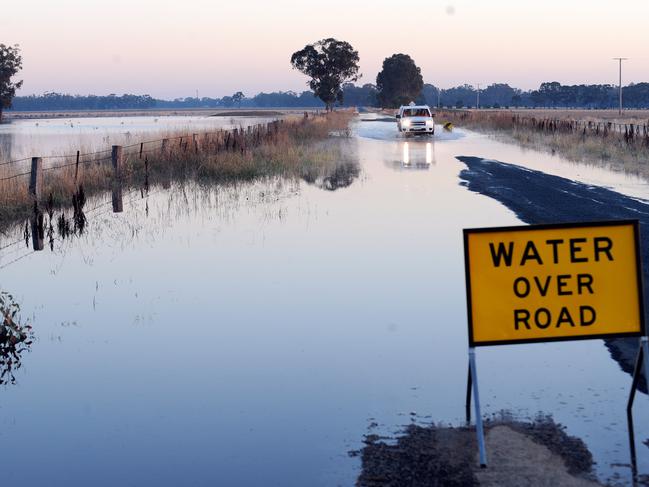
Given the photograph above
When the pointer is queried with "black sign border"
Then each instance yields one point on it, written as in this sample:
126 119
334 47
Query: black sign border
551 226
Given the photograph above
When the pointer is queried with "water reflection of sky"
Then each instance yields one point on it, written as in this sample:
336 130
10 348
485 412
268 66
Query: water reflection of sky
248 336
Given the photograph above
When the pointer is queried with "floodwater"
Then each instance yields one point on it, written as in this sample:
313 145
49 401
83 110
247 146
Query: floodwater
252 334
21 139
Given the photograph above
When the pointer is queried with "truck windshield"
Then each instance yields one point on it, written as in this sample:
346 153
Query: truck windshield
416 112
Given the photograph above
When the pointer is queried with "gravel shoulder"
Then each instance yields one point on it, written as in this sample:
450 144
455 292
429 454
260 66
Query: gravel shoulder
515 459
537 453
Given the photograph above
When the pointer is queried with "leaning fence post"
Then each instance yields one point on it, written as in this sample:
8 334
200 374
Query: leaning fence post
116 156
36 179
165 144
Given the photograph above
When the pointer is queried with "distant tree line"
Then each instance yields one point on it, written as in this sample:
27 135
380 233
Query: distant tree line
548 95
277 99
58 101
353 95
498 95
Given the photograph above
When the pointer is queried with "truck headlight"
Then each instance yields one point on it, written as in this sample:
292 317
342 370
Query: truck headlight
405 123
430 123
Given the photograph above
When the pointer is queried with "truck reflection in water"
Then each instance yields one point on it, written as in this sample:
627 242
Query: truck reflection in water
416 156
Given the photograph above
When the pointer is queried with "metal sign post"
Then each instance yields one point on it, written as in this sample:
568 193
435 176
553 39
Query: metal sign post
473 374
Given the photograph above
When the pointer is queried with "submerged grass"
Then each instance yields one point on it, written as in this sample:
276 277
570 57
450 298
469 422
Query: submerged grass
294 146
593 143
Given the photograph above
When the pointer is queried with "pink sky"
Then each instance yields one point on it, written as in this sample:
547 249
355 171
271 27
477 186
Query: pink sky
173 48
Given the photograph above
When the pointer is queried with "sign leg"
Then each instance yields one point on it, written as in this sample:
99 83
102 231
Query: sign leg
634 460
478 414
467 406
640 358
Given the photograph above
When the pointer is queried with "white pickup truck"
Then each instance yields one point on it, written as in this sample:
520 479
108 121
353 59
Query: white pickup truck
415 119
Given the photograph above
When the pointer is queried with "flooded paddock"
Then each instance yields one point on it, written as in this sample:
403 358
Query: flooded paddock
251 334
47 137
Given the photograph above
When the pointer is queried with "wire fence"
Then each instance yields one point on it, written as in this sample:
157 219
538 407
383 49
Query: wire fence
232 139
38 229
78 156
629 132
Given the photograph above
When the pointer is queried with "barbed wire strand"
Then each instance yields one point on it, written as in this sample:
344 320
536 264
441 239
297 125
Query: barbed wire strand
15 161
16 176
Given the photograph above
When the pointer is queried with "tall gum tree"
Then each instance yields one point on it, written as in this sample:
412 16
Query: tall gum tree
399 82
329 63
10 63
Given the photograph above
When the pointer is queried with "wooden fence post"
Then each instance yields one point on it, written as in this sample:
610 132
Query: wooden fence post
146 173
165 145
118 161
76 169
117 156
36 179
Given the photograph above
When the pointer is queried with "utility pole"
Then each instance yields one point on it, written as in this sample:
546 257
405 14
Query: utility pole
477 101
620 59
439 96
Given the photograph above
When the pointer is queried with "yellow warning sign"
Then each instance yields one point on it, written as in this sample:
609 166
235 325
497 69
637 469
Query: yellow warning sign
553 282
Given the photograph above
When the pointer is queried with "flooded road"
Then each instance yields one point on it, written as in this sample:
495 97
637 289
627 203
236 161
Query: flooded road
252 334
